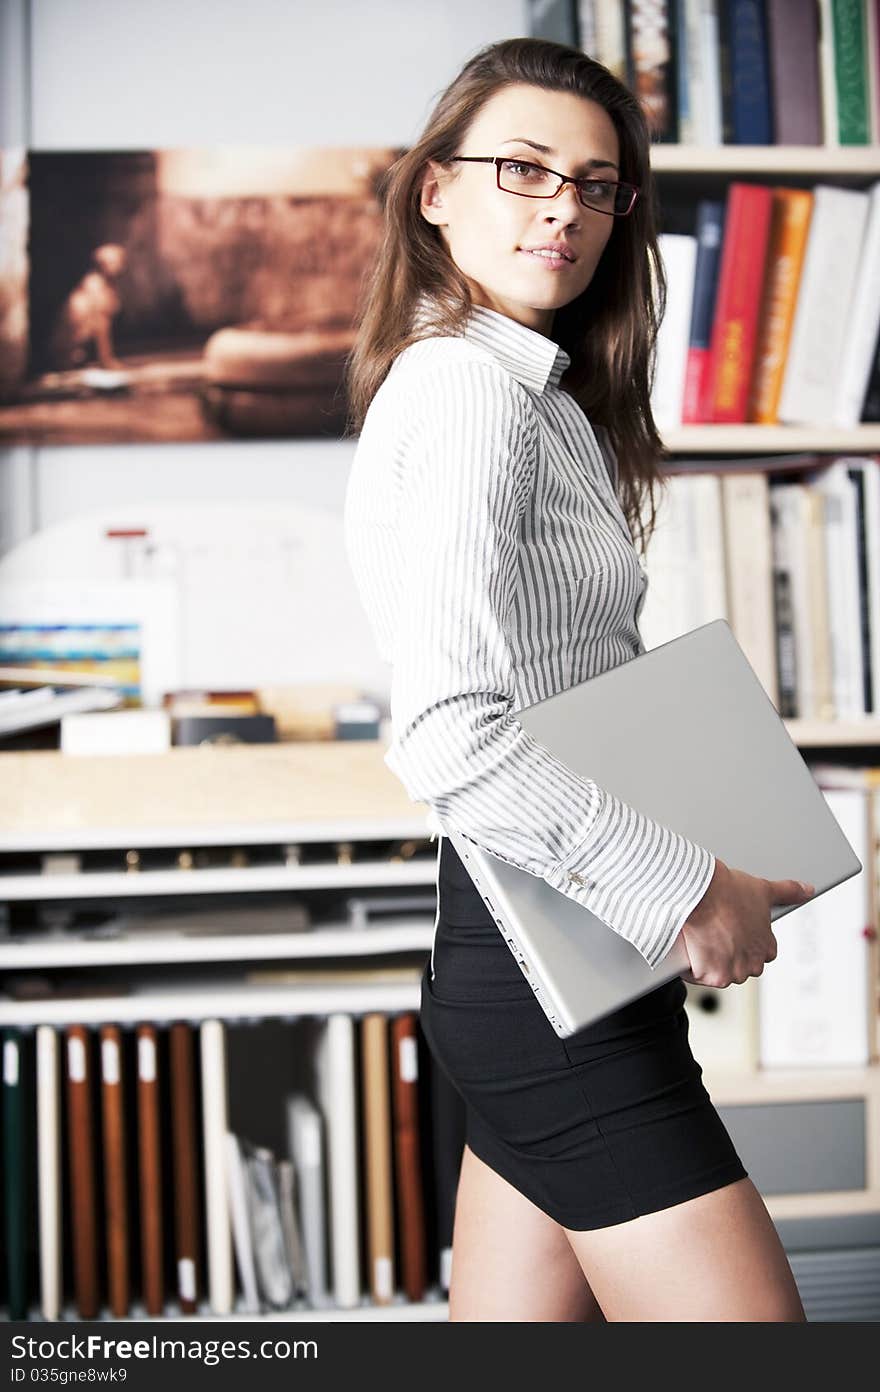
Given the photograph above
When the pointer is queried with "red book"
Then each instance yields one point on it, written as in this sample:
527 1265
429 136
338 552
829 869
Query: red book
738 302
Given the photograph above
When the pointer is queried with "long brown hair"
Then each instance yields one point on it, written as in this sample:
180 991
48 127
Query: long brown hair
609 331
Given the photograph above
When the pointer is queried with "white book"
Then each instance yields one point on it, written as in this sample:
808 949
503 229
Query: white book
685 560
239 1217
305 1143
827 78
841 551
864 324
336 1072
823 313
49 1170
710 111
212 1040
814 999
678 252
748 548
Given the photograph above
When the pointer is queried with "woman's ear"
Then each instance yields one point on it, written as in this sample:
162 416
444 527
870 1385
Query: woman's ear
432 203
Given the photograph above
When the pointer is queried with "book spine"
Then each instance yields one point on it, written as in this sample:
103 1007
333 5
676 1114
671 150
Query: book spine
793 48
787 245
734 331
851 71
751 111
710 232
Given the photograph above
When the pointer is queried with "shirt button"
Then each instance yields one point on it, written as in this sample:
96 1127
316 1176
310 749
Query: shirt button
578 879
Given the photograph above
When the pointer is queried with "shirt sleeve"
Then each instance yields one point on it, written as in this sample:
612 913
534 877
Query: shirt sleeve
465 477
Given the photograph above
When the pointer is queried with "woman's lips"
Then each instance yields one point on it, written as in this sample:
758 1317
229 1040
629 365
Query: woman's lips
552 262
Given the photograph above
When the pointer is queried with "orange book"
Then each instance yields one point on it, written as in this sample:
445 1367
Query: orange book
789 228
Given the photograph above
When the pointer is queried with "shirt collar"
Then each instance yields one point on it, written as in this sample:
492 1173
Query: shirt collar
530 357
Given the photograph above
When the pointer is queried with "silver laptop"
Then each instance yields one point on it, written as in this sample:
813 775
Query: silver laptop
687 735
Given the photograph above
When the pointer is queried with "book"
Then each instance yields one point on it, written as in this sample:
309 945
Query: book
679 255
305 1142
864 323
115 1170
739 300
848 41
745 76
15 1171
81 1162
793 42
748 549
336 1073
709 233
821 326
408 1177
49 1170
376 1121
789 227
239 1218
185 1152
150 1169
212 1039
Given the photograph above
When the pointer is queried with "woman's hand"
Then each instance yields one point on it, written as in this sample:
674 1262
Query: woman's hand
728 935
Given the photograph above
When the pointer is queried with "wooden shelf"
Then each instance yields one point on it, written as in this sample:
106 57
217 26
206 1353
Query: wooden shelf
822 160
772 439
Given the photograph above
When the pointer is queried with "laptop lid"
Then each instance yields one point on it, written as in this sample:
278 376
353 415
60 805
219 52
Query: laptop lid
723 772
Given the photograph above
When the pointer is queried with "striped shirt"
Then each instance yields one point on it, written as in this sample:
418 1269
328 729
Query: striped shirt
496 568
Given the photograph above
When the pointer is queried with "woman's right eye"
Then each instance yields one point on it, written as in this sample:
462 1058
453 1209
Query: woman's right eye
522 169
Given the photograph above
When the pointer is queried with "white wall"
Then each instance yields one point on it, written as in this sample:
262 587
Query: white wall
145 74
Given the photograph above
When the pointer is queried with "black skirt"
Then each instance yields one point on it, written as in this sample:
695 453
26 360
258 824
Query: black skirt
604 1126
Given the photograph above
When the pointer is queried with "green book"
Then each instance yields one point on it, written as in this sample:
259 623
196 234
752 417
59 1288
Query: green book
851 71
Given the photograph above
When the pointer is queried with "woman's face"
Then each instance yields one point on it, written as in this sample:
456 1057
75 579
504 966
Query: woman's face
488 231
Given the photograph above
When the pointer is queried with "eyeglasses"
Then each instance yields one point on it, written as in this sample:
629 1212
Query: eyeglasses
535 181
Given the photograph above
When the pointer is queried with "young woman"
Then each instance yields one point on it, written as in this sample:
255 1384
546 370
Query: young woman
510 322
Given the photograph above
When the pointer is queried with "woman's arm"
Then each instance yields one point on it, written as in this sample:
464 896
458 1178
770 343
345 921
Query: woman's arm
467 472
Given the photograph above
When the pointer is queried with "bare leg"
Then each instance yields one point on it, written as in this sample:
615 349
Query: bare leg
715 1257
510 1261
